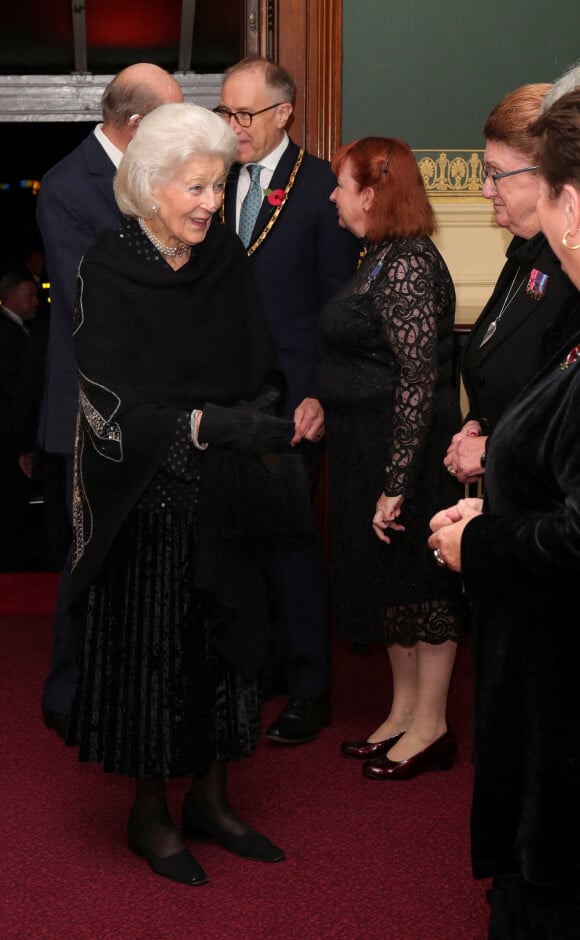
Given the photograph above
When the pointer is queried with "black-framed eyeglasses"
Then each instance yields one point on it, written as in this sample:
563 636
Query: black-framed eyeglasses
494 177
243 118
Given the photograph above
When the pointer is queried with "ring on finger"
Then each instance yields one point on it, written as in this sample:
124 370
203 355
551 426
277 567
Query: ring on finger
452 470
438 558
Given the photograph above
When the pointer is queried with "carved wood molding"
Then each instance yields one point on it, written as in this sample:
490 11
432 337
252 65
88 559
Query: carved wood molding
256 27
308 42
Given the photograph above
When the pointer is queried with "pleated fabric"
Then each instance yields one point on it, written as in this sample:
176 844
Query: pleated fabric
153 698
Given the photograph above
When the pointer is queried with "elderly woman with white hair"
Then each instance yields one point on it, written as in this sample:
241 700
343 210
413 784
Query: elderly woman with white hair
176 374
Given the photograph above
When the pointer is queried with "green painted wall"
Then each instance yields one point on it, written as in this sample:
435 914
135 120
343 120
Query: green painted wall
430 71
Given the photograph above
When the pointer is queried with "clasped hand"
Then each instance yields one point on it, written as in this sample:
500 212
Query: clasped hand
447 527
463 457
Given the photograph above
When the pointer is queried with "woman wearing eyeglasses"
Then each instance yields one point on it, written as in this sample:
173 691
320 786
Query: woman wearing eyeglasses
520 324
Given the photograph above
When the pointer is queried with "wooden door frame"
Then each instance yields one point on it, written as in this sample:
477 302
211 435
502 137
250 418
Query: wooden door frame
305 36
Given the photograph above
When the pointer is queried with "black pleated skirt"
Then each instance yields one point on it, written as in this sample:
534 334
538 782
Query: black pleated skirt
153 698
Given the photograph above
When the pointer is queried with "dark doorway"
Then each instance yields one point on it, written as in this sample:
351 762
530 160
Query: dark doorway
29 151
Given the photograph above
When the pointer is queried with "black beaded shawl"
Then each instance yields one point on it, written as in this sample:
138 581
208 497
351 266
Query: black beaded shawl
152 343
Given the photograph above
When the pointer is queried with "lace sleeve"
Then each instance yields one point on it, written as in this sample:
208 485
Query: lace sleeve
408 313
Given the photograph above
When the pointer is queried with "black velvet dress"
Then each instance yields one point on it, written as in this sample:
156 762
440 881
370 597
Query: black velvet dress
521 565
161 692
391 409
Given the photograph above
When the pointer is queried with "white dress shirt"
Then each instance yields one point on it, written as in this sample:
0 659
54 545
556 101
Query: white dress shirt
268 164
112 152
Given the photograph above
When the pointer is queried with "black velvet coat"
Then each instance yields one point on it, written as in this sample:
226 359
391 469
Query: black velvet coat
521 567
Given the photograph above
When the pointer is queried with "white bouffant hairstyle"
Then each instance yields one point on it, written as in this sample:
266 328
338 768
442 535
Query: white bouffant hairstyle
569 81
167 138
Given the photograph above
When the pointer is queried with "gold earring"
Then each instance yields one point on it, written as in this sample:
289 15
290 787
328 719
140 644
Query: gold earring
565 243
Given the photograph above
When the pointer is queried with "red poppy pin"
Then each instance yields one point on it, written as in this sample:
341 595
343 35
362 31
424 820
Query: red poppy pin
275 196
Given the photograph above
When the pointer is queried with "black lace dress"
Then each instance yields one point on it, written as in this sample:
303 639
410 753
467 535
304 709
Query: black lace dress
391 409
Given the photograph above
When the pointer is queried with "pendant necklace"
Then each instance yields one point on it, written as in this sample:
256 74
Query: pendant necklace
509 297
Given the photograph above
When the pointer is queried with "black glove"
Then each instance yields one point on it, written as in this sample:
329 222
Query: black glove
244 429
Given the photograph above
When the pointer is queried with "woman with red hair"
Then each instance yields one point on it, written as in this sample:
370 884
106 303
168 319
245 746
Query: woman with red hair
386 371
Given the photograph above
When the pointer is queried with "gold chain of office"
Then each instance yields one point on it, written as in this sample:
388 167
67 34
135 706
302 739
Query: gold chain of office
273 218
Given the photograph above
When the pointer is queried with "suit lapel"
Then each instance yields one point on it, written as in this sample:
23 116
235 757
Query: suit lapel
100 166
279 180
230 197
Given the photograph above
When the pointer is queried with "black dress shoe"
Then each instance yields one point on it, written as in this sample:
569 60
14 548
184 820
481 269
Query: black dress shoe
367 750
180 867
300 721
251 845
438 756
56 721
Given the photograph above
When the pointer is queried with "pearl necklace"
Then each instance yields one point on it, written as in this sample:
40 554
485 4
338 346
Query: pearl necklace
169 250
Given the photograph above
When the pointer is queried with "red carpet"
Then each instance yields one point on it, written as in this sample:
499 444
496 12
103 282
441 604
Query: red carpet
364 859
28 593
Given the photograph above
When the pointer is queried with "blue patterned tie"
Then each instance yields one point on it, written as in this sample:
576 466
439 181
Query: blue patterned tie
251 204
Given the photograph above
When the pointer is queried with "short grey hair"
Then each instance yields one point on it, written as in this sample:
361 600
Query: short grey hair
569 81
279 83
167 138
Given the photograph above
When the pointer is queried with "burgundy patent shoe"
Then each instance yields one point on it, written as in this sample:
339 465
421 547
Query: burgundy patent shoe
438 756
364 750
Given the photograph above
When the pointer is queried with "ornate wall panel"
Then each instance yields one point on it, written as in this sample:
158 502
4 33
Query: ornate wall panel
455 173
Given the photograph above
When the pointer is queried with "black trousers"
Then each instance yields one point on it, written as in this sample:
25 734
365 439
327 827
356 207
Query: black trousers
59 686
301 629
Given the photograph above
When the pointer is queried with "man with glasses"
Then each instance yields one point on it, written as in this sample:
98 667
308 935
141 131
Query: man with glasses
277 200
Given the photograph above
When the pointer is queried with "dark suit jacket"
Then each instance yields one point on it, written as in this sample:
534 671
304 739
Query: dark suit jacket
526 333
302 262
76 203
